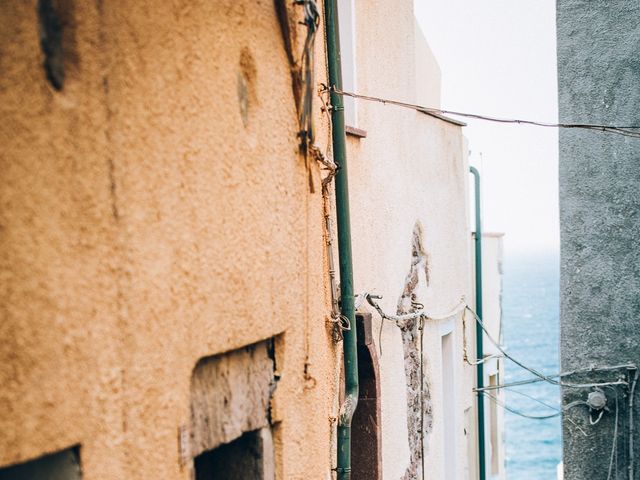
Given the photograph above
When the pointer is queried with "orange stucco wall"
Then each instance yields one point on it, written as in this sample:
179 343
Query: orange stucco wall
153 212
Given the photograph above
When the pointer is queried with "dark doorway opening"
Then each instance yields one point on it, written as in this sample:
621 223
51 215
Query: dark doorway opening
366 460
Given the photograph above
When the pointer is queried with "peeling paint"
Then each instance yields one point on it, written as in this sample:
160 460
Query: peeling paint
419 404
346 410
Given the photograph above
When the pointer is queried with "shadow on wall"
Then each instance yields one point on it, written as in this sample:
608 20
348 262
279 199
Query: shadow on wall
247 457
64 465
56 28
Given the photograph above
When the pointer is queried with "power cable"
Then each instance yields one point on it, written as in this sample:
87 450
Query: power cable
462 305
517 412
563 374
627 131
512 384
542 376
557 408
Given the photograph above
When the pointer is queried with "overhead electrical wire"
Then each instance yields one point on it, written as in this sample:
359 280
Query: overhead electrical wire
627 131
531 397
401 320
563 374
511 384
519 413
542 376
557 409
462 305
551 379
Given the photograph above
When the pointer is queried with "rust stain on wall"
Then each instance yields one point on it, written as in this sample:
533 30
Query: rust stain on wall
247 96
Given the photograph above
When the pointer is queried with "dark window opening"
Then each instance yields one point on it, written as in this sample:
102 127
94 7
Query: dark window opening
241 459
64 465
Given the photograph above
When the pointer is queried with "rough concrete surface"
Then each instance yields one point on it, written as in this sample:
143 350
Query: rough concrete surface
599 80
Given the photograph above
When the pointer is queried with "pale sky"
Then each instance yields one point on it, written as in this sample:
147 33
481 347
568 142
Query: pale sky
498 57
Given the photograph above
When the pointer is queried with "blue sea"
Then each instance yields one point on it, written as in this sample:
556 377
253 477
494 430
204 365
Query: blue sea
530 333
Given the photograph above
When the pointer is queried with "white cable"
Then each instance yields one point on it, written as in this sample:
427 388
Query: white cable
402 319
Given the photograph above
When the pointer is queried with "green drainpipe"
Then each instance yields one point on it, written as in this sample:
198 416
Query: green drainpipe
479 334
344 244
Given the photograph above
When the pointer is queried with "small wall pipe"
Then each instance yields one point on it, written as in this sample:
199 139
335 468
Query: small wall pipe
350 352
482 469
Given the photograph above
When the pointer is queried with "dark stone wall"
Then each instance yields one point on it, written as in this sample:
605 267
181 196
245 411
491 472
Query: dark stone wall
599 83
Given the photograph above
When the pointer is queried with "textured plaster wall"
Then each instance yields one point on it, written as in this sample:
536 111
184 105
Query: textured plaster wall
598 80
410 168
428 74
153 212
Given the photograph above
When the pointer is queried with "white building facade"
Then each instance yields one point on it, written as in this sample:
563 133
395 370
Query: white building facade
409 193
